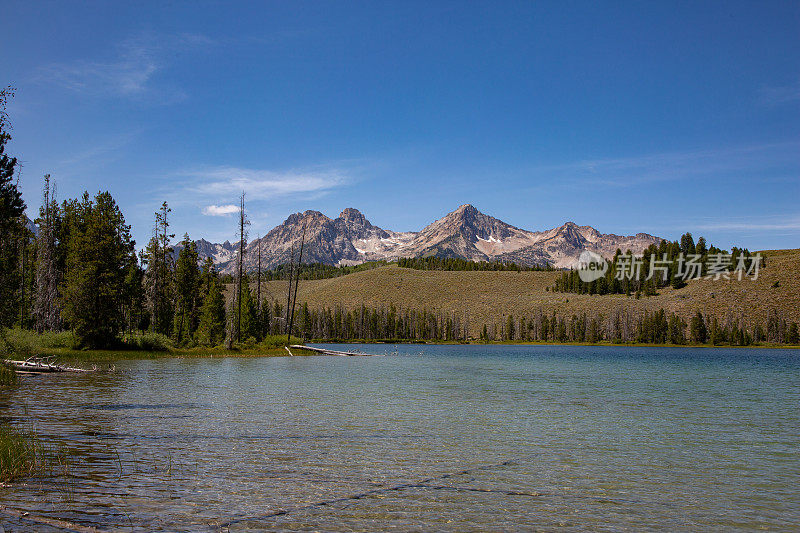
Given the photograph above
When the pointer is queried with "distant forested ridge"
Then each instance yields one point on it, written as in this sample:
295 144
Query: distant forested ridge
457 263
323 271
308 271
662 265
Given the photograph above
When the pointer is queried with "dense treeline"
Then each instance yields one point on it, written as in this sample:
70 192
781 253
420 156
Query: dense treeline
659 327
389 322
14 235
620 326
308 271
456 263
665 264
81 273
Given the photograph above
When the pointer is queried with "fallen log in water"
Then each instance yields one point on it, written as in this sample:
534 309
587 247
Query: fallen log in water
34 365
325 351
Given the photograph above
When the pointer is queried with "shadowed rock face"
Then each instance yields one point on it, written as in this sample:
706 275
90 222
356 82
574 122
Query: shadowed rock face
466 232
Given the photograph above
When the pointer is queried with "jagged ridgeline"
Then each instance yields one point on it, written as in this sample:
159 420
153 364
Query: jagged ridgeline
464 234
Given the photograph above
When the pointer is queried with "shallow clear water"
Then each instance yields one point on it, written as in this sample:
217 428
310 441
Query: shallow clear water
434 438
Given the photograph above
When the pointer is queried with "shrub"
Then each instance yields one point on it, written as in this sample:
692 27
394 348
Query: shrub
149 342
23 343
277 341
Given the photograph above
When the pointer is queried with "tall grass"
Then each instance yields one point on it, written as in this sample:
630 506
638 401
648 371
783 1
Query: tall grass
7 376
16 343
23 455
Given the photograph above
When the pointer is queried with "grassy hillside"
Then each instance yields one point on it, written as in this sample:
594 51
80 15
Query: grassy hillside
485 297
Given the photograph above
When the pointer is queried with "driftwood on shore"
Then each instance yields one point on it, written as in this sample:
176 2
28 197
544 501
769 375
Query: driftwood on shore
40 365
325 351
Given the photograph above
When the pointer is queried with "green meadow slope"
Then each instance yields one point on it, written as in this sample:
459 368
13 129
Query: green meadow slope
486 297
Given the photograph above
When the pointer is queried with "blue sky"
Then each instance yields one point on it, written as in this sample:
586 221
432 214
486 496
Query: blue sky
630 116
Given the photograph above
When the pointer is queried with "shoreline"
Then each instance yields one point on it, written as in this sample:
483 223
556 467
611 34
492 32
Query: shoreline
87 356
541 343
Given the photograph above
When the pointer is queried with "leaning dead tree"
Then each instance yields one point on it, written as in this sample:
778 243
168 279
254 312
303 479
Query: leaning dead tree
45 305
258 278
289 291
296 282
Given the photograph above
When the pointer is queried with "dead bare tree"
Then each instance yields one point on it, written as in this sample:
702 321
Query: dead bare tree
243 223
296 281
45 306
289 290
258 284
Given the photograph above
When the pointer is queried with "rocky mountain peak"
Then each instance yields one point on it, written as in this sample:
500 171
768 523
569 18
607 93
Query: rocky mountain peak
465 215
351 214
309 216
356 226
467 209
571 234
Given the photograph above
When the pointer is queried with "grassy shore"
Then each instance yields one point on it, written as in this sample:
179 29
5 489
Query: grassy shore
21 344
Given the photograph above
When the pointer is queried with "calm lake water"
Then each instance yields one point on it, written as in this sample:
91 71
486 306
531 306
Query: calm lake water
431 438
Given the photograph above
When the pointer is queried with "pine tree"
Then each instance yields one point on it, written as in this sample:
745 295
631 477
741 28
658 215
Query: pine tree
687 244
159 272
99 254
133 298
697 332
211 330
701 247
793 336
676 330
246 321
12 209
187 280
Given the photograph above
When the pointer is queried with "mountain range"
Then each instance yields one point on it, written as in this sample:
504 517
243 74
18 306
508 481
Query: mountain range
465 233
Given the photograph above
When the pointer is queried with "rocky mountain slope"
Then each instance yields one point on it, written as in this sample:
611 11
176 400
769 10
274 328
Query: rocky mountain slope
466 232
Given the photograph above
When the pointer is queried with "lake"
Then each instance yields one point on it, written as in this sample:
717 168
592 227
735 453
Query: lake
429 438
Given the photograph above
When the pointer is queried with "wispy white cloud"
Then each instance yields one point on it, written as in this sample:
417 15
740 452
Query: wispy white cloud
229 182
96 154
770 223
781 95
220 210
768 161
128 72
